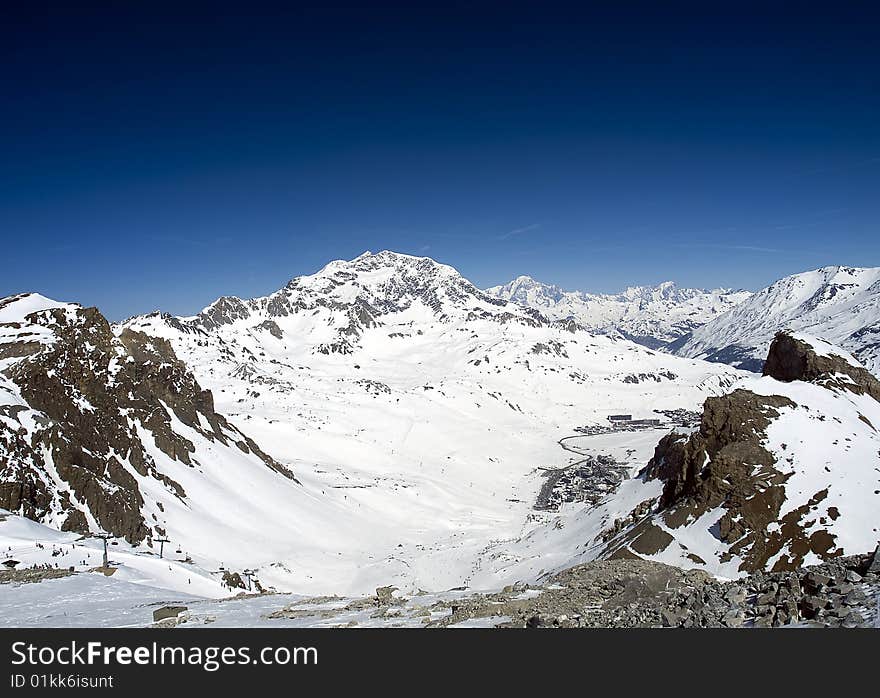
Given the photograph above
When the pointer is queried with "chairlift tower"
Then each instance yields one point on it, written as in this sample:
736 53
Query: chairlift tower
161 541
105 537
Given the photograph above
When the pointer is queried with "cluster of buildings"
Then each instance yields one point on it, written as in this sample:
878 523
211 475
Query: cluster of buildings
626 420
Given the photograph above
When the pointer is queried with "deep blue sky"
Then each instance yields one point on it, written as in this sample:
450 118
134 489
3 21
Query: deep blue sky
159 157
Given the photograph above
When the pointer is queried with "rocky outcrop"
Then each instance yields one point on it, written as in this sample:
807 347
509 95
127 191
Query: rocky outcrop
793 359
631 594
728 465
724 464
710 465
79 417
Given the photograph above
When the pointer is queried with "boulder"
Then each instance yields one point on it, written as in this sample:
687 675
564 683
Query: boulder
167 612
874 566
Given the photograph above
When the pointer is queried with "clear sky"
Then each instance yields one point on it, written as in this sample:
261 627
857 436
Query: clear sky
160 157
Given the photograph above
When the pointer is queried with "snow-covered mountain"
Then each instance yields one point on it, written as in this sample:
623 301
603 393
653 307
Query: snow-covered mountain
839 304
383 421
416 410
781 472
336 305
111 432
653 316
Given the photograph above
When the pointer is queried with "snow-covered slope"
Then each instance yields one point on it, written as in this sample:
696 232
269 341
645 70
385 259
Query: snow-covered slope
784 471
840 304
653 316
32 544
423 420
111 432
414 408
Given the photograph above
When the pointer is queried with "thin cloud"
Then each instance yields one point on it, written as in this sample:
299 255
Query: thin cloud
742 248
518 231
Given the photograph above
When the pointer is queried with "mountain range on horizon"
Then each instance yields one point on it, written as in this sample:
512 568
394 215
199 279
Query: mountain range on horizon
459 316
655 316
834 301
383 421
837 302
729 326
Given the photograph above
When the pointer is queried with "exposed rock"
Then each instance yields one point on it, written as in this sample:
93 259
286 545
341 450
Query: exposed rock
88 396
167 612
791 359
726 464
385 595
31 575
233 580
874 566
723 464
639 593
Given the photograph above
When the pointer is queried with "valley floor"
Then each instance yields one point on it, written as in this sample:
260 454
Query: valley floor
522 545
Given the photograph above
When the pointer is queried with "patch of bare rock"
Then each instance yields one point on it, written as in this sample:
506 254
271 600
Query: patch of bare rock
843 592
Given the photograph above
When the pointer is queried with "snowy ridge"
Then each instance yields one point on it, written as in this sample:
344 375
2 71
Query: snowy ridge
346 297
653 316
110 433
840 304
414 408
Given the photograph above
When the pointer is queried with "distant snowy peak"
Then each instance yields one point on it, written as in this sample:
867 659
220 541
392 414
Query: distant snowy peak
391 282
387 282
839 304
346 297
526 291
651 315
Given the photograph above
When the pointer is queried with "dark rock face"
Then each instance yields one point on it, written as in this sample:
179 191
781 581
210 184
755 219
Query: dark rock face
233 580
167 612
725 464
731 429
790 359
81 450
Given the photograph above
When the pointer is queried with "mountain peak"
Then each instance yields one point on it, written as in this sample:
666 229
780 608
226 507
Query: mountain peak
838 303
352 295
16 308
529 292
375 260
